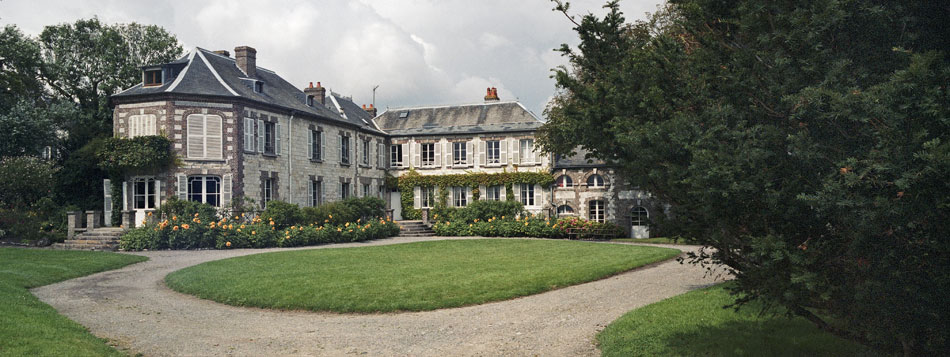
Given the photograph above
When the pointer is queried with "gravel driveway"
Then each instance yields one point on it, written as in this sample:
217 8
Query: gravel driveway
134 309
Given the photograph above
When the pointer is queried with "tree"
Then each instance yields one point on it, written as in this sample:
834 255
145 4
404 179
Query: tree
19 68
807 142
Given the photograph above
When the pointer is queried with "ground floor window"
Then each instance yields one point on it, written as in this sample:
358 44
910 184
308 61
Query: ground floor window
639 216
428 196
344 190
143 193
205 189
527 194
493 193
316 192
596 212
564 210
365 190
268 191
458 196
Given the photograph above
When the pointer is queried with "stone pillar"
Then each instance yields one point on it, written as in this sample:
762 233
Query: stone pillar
128 219
425 215
92 219
73 221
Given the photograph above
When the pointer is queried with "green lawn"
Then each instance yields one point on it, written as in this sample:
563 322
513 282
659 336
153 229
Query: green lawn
696 324
649 240
408 277
28 327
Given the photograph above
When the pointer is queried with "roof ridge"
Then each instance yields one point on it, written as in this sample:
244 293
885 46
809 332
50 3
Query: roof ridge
451 105
231 59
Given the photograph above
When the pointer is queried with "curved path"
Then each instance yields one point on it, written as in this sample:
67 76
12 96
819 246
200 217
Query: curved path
134 309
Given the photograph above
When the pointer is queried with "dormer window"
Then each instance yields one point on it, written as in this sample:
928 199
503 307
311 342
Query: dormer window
258 87
309 100
153 77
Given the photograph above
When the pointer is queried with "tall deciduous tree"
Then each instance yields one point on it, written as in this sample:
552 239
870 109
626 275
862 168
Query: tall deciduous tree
807 142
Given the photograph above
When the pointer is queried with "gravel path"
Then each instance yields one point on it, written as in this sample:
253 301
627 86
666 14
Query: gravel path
135 310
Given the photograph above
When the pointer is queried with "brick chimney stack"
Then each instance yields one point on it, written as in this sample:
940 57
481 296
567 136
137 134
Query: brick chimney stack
246 58
318 93
492 95
370 109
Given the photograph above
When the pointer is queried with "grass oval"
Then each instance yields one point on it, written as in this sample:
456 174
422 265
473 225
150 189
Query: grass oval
408 277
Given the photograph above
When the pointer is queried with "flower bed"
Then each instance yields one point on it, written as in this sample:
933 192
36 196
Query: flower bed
530 226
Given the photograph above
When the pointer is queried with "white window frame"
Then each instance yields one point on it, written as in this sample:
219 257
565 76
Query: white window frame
395 155
564 181
148 197
344 150
316 145
565 210
495 191
365 190
459 196
527 195
493 152
428 154
203 196
596 210
316 192
427 196
595 180
459 154
210 141
366 152
268 194
639 216
527 152
142 125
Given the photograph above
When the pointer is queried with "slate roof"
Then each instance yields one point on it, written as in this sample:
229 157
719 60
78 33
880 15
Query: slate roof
203 72
576 161
490 117
345 106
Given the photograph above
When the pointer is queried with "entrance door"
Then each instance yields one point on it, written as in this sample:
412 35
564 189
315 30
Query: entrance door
145 197
395 201
639 223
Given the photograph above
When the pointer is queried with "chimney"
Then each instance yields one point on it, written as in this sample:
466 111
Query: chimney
246 58
318 93
371 110
224 53
492 95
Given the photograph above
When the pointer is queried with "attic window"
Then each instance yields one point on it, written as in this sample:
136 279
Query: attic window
404 115
258 87
153 77
309 100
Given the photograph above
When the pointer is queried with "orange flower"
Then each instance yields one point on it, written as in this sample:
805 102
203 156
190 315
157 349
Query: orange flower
253 232
272 223
150 214
174 218
242 226
227 244
185 226
175 228
330 215
339 229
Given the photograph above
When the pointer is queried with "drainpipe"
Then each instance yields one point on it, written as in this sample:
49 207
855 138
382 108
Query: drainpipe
290 157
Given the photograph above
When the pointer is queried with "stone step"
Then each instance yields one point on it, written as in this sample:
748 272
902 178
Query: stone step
93 241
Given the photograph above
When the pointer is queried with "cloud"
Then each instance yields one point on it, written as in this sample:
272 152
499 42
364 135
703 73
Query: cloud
418 51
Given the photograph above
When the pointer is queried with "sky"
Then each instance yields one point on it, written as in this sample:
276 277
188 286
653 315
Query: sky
419 52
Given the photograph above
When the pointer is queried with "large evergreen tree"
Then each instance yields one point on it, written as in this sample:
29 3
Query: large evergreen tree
807 142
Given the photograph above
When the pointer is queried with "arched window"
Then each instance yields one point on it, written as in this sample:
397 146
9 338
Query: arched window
564 181
596 212
639 216
564 210
595 180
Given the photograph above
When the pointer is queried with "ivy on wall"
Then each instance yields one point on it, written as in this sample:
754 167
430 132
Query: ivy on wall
141 155
408 181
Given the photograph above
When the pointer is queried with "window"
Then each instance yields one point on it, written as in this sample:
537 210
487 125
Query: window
395 155
565 210
366 152
316 192
527 151
365 190
427 196
458 196
316 145
153 77
344 150
596 212
381 192
458 153
268 191
527 194
141 125
259 87
564 181
344 190
380 154
493 193
493 152
595 181
204 136
249 135
639 216
205 189
310 100
143 193
428 154
270 138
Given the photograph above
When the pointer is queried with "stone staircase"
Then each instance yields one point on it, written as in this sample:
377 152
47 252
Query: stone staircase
414 229
103 238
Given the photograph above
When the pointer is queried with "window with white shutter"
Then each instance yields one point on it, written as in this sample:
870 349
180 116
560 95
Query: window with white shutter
204 136
142 125
249 135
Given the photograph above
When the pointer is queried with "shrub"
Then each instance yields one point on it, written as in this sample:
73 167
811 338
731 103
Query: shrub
26 180
175 207
529 226
283 214
484 210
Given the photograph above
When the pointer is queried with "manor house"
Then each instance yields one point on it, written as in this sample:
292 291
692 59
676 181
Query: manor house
244 133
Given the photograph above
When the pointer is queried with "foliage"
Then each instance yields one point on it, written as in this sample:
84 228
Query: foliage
28 327
27 130
806 142
483 210
26 179
193 225
529 226
695 324
415 276
139 155
412 179
19 79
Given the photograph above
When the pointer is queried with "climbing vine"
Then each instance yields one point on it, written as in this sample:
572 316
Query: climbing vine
408 181
120 157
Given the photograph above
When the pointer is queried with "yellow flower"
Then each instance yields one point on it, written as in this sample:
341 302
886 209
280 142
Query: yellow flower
339 229
174 218
253 232
525 223
326 221
502 217
242 214
143 221
435 216
300 228
364 229
358 220
330 215
175 228
196 214
347 224
239 230
469 224
230 226
272 223
351 231
242 226
228 244
150 214
236 217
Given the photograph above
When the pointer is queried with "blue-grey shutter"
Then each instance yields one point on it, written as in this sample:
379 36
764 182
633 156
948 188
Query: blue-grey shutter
310 149
261 132
277 138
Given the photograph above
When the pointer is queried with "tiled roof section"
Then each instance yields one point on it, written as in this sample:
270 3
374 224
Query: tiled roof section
208 73
457 118
350 108
576 160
